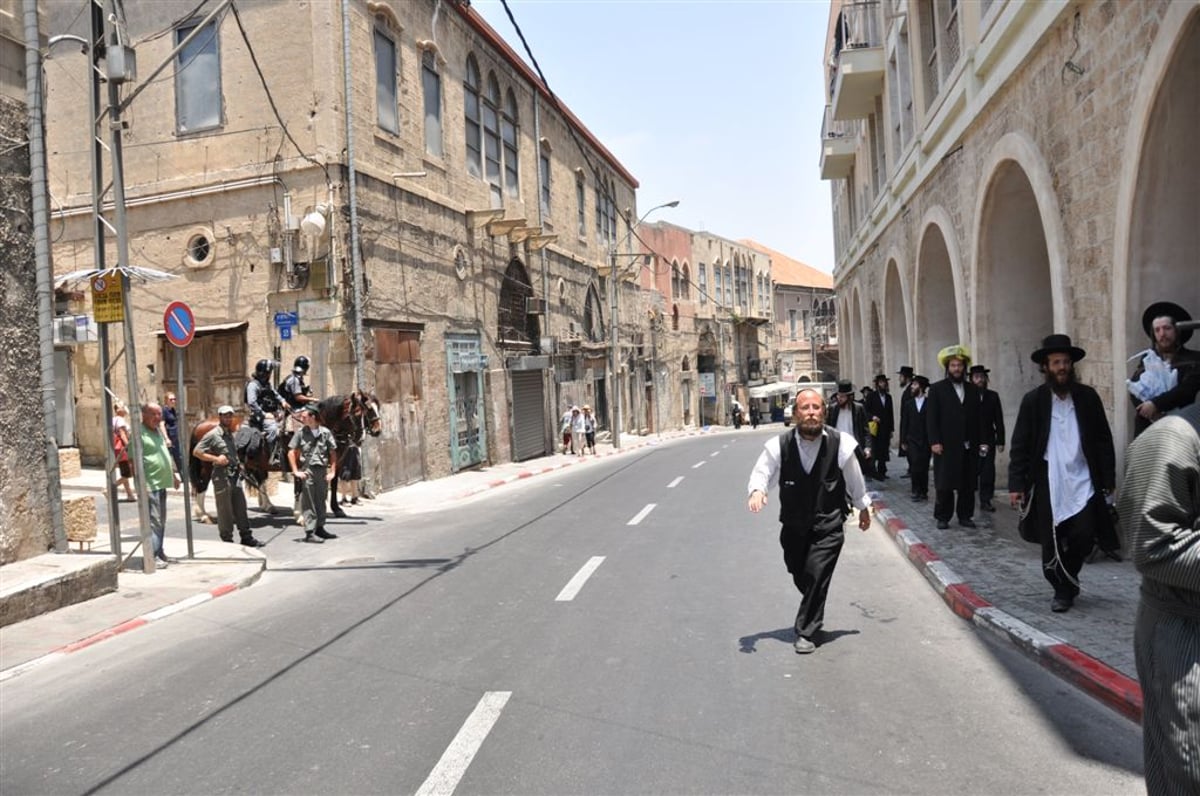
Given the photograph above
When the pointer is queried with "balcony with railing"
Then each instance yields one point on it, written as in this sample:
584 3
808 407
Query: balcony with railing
838 142
857 64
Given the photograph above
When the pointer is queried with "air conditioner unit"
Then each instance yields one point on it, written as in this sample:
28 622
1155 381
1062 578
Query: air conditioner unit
535 306
74 329
548 345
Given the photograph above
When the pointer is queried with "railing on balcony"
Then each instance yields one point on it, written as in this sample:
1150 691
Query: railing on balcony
856 63
857 26
833 128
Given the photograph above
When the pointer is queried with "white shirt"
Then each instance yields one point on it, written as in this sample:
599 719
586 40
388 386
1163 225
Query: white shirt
920 402
766 469
960 390
845 423
1070 478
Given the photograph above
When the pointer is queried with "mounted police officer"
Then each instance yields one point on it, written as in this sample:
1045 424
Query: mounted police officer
294 389
265 404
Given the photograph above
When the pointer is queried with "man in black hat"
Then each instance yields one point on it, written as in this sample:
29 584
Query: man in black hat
1161 323
881 418
1062 467
991 435
906 379
914 437
849 418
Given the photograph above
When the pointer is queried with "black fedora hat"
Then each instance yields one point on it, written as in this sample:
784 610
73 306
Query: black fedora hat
978 369
1168 308
905 370
1057 344
881 377
845 387
922 380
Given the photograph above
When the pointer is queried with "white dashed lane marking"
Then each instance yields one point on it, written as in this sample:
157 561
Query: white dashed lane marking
698 465
675 483
449 770
641 515
576 583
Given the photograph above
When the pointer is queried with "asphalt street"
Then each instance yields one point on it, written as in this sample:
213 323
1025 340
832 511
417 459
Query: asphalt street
624 628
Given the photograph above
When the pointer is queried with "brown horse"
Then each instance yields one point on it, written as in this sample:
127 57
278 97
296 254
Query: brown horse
350 418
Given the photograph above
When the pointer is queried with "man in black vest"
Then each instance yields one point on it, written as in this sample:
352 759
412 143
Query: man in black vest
818 477
952 420
991 435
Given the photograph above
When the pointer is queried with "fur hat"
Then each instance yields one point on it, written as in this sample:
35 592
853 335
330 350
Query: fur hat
956 351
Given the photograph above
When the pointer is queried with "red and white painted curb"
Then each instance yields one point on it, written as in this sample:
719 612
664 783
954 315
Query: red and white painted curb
125 627
1118 691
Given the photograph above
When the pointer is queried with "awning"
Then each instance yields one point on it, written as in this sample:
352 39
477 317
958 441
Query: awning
774 388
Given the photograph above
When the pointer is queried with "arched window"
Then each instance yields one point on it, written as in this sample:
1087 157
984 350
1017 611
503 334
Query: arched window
492 156
675 317
508 132
474 129
593 325
674 280
517 327
718 282
685 283
728 284
431 90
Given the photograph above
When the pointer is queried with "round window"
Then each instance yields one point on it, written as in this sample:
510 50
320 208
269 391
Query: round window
461 266
200 249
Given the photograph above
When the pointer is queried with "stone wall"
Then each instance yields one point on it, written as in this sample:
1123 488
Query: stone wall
25 518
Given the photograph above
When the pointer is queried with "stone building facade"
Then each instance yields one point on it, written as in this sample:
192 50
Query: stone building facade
485 212
26 526
1002 170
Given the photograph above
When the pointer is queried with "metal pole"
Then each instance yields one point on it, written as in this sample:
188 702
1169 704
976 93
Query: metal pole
185 452
45 286
615 397
96 156
131 378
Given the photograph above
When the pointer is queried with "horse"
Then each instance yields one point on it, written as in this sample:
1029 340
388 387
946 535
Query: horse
349 417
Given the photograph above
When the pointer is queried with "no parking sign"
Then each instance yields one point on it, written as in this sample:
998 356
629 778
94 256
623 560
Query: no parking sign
179 324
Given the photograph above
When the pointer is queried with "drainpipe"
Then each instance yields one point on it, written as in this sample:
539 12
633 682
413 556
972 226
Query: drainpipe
45 286
355 257
551 400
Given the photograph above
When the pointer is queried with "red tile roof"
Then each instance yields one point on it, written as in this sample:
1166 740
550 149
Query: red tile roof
786 271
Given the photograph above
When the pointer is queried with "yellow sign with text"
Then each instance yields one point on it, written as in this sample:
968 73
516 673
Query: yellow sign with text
107 302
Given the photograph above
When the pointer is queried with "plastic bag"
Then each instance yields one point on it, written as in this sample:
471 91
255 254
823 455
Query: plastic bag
1157 378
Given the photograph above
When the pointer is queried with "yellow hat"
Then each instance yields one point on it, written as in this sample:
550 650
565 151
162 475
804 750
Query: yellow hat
956 351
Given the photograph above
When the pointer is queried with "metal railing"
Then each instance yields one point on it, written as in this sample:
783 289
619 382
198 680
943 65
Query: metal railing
833 128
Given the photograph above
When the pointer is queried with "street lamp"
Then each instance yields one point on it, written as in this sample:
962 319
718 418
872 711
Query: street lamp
614 297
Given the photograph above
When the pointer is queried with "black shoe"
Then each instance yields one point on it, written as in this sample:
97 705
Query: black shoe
312 538
923 498
337 512
250 541
942 525
321 533
968 523
227 539
987 507
914 498
906 474
803 646
1060 605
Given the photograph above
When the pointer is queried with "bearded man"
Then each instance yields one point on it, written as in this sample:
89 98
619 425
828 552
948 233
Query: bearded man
818 477
1161 322
1062 466
952 425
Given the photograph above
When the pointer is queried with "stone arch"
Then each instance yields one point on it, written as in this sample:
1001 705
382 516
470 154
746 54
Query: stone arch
1019 241
896 318
593 317
939 292
1157 234
876 343
856 336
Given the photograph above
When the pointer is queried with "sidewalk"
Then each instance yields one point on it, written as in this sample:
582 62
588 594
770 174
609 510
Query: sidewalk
217 567
990 576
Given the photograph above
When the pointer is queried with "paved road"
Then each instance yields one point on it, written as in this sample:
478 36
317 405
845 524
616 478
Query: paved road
562 637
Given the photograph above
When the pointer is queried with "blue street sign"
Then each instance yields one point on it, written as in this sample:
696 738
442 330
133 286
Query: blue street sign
285 319
285 332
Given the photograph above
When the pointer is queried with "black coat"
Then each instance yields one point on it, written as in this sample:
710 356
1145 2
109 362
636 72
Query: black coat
875 406
1027 456
1027 465
913 434
1187 364
951 423
859 422
991 419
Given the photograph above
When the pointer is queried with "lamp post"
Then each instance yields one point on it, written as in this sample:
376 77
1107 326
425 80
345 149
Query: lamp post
614 300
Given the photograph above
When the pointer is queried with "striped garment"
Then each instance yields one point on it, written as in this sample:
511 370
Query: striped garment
1160 509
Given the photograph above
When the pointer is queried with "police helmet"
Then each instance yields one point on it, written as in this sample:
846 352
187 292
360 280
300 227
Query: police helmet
301 364
263 367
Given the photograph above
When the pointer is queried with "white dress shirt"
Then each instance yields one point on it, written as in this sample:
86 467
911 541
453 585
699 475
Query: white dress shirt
766 469
1070 478
845 423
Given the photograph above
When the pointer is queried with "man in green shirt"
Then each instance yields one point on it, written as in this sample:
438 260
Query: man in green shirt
160 476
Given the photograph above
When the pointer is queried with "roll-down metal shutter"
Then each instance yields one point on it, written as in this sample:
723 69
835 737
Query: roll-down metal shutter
529 415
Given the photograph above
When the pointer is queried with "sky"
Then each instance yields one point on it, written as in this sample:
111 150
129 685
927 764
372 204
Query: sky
716 103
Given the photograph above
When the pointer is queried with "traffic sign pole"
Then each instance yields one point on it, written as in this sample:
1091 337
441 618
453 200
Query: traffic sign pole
180 326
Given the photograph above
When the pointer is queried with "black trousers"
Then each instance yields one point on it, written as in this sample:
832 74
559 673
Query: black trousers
946 502
987 476
880 453
1064 548
918 470
811 557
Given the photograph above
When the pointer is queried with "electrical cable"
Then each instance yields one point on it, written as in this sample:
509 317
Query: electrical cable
189 15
